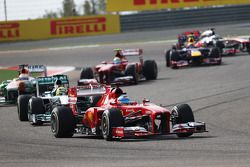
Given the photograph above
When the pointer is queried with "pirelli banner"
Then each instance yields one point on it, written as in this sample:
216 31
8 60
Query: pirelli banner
138 5
57 28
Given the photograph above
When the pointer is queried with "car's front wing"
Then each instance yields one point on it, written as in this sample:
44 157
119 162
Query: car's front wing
137 131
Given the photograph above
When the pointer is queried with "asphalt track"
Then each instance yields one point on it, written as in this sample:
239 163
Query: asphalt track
219 96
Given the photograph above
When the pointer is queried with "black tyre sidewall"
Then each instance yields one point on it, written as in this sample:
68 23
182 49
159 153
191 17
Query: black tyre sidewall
62 122
167 57
150 70
113 118
22 107
87 73
185 115
131 71
36 106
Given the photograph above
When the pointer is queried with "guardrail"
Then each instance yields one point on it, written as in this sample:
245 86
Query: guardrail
163 19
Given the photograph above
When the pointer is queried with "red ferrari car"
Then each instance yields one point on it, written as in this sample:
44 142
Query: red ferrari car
108 112
120 70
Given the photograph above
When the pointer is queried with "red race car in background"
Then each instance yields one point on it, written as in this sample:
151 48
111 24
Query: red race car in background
108 112
121 71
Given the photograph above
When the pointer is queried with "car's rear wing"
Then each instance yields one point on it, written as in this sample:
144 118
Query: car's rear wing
87 90
44 84
51 79
130 52
34 68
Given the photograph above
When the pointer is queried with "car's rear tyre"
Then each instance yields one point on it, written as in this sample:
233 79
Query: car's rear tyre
150 70
131 71
111 118
87 73
36 106
22 107
62 122
215 53
182 114
220 45
248 47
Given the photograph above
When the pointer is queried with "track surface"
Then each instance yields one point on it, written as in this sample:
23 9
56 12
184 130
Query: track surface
219 96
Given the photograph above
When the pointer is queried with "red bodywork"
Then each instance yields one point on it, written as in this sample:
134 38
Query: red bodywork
158 118
105 70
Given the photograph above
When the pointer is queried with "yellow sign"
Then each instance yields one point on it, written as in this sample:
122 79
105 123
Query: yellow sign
85 26
138 5
54 28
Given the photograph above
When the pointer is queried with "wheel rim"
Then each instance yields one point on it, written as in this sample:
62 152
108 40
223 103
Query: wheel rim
53 124
104 126
174 117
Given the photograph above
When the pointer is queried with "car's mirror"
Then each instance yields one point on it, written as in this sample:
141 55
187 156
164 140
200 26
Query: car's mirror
104 62
145 101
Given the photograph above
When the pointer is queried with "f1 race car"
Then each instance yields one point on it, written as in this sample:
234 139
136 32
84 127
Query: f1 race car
24 84
120 71
37 109
192 56
115 116
241 44
209 38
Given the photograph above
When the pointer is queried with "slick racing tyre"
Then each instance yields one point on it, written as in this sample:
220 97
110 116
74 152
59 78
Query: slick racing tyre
214 53
150 70
62 122
111 118
173 56
167 58
182 114
131 71
22 107
36 106
87 73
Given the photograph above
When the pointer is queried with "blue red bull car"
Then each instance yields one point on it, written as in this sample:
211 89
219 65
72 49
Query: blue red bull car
176 58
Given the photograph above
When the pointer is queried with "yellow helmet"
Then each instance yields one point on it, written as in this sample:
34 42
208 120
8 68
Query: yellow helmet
61 91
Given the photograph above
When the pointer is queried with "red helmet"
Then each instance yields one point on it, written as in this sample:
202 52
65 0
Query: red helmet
24 71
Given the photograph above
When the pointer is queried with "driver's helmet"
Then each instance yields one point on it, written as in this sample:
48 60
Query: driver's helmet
58 82
123 99
61 91
24 74
116 92
191 40
117 60
24 71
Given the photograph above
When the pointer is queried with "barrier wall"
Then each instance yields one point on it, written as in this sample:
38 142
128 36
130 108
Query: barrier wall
57 28
139 5
182 18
